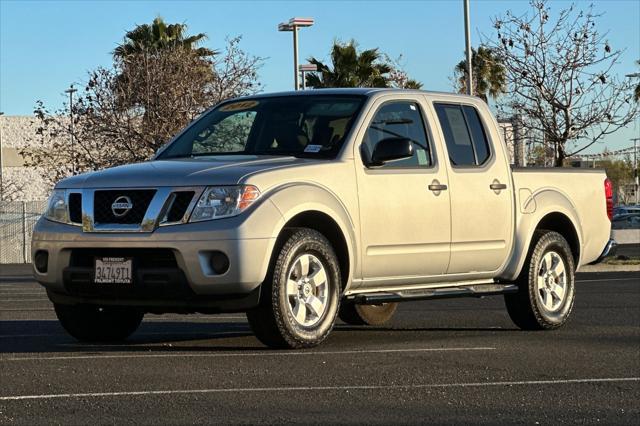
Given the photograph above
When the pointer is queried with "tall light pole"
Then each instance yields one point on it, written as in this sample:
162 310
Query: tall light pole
71 90
1 164
636 178
467 39
306 68
293 25
636 186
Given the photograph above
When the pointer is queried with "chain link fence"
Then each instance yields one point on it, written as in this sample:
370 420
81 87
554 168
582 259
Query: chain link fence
17 219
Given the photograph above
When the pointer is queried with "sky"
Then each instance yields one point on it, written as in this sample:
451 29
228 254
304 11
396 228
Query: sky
46 45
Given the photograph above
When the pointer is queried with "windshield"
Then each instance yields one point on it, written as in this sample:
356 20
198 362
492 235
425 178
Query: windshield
314 126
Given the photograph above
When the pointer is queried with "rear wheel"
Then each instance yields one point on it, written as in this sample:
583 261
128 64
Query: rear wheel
300 298
546 290
354 314
92 323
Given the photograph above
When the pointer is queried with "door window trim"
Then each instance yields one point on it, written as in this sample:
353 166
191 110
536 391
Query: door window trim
427 130
490 144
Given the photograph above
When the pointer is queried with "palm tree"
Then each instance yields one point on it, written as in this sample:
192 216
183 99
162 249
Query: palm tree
350 68
160 35
489 74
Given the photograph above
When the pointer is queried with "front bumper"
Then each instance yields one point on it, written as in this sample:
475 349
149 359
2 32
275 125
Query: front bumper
187 284
609 251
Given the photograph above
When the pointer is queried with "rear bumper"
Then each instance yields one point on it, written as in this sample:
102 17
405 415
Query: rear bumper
609 251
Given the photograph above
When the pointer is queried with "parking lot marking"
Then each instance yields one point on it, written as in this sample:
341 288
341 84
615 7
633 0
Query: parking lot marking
321 388
248 354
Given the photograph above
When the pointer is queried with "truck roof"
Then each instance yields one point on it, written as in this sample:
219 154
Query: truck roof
361 91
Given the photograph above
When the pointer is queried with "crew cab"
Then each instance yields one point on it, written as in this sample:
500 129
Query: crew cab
301 207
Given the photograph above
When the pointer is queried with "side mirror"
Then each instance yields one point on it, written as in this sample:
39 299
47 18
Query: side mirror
390 149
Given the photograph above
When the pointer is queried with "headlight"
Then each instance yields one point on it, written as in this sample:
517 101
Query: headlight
57 209
217 202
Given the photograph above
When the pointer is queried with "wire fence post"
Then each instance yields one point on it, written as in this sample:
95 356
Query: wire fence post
25 255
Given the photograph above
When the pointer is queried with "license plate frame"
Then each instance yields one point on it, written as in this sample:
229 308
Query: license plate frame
113 270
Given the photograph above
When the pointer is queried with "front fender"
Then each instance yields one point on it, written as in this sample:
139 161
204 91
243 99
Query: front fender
294 198
532 209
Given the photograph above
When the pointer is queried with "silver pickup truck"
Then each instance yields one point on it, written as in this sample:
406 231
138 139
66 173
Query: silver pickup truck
298 208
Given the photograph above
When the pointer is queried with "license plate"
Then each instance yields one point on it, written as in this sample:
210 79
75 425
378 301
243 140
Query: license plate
113 270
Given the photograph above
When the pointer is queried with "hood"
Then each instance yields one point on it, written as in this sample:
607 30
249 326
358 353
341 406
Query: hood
199 171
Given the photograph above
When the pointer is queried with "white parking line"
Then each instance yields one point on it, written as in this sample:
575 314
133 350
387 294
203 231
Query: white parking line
246 354
320 388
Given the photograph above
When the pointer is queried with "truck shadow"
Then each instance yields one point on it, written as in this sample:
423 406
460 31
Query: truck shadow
47 336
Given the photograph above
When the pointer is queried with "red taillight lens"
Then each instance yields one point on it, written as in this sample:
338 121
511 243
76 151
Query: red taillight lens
608 193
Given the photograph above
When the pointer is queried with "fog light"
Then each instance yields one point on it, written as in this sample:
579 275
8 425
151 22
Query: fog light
219 262
41 261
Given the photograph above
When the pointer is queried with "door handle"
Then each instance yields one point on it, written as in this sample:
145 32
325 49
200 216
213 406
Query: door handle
498 186
437 187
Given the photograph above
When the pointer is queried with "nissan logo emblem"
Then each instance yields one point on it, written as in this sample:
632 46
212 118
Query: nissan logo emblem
121 206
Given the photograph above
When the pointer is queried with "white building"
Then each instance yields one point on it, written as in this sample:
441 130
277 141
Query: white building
19 182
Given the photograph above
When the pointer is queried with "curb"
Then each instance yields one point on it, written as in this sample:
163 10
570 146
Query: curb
602 267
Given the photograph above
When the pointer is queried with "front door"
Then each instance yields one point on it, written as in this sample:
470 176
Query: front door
405 225
480 190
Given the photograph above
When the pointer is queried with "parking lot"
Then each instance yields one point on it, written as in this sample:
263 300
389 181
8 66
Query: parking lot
446 361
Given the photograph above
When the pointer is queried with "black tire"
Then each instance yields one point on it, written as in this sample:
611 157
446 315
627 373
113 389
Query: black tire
92 323
527 307
273 321
354 314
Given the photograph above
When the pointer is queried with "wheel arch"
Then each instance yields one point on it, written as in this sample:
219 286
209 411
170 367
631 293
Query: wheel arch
311 206
553 211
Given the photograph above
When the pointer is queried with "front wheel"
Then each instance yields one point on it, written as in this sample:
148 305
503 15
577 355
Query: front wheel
300 298
92 323
546 286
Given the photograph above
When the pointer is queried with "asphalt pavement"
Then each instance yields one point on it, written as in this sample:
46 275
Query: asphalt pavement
443 361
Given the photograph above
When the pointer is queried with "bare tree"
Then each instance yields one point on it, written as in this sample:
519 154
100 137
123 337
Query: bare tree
559 70
127 112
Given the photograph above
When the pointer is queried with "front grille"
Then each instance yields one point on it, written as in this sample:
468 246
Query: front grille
103 201
179 206
75 207
144 258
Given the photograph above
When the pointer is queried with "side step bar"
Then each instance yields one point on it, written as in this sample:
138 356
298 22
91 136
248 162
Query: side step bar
479 290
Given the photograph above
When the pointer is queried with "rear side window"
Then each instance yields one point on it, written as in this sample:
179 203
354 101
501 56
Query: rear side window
464 134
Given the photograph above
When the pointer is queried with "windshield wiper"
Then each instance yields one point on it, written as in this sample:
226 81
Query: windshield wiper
200 154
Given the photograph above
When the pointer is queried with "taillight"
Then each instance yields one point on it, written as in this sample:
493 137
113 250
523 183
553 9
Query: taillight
608 193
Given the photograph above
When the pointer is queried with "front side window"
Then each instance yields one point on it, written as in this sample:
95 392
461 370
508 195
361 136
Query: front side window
464 134
399 120
311 126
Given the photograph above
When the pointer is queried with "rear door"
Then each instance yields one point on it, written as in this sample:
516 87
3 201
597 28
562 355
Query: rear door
480 189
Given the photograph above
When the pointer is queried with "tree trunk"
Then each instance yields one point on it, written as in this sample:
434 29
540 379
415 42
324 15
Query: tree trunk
560 155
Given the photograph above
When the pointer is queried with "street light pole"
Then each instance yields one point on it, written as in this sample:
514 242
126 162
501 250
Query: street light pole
292 26
71 91
467 38
636 178
1 162
304 68
296 74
